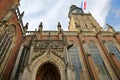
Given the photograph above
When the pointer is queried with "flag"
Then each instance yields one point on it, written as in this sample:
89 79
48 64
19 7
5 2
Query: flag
83 5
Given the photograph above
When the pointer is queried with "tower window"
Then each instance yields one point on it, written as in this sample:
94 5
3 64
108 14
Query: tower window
113 49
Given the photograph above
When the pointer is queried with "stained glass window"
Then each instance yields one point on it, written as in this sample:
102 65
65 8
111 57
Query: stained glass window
6 40
113 49
76 61
93 50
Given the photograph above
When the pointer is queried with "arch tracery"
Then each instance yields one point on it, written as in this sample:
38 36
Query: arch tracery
52 60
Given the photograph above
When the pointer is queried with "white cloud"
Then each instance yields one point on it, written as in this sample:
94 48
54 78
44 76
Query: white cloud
51 12
99 10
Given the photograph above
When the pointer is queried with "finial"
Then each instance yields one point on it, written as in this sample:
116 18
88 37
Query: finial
59 25
21 15
59 28
40 27
110 28
26 26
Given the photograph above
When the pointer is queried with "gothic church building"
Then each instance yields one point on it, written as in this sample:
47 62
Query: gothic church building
85 52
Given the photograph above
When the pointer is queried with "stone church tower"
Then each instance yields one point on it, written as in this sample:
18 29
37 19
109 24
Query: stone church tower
85 52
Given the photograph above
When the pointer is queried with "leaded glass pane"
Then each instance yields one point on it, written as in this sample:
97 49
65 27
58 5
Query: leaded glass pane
113 49
104 75
6 41
76 61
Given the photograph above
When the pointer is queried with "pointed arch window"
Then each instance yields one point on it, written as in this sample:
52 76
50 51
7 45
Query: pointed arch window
75 59
113 49
6 40
93 50
22 61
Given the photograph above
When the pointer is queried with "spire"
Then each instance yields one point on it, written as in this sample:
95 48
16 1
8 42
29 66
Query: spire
59 27
26 26
110 28
21 15
40 27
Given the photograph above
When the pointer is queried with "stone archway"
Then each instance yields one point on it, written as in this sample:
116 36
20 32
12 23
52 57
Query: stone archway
48 71
56 61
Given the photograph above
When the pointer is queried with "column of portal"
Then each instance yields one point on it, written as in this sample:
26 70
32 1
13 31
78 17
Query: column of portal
68 65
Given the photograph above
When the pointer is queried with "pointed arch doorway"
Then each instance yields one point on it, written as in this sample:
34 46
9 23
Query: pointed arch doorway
48 71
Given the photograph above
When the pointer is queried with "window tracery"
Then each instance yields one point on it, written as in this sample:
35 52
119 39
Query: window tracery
75 59
93 50
6 40
113 49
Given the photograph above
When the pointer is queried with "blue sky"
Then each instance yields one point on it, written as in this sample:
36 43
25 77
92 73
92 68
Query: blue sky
50 12
113 17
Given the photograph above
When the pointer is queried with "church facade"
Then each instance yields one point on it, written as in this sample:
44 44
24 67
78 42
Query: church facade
85 52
